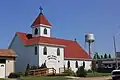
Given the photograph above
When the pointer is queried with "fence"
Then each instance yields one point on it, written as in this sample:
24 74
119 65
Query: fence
42 72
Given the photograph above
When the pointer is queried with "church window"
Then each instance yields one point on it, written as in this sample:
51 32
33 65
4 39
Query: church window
35 50
45 51
84 64
45 31
68 64
58 52
76 64
36 31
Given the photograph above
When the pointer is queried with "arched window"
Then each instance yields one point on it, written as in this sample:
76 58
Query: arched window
45 31
84 64
45 51
36 31
68 64
76 64
58 52
35 50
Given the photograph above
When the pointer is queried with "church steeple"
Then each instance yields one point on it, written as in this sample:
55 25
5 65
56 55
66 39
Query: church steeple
41 26
41 20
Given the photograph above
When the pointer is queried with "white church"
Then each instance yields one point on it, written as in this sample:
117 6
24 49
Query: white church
40 47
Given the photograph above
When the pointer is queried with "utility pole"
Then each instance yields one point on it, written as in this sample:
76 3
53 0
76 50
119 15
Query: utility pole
115 52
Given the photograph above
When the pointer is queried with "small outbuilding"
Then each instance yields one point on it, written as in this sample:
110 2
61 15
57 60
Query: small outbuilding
7 62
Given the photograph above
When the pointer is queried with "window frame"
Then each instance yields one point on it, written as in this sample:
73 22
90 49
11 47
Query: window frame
58 51
36 31
76 64
45 50
45 31
36 50
68 64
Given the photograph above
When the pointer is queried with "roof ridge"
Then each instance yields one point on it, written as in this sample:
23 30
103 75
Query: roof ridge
57 38
47 37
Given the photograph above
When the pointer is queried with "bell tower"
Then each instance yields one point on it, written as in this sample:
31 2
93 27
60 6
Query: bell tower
41 26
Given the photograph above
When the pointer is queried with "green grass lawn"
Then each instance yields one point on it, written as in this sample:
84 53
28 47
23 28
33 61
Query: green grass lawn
2 79
96 74
46 78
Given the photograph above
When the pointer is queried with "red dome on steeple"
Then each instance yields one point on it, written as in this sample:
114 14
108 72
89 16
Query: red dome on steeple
41 20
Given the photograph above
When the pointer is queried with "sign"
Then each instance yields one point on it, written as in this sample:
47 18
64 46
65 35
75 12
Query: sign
51 57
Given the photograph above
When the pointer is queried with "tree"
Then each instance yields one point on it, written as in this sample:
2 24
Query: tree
93 66
109 56
81 72
105 56
96 56
27 70
101 56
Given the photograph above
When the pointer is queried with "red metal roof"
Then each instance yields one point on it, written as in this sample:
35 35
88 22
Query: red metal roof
41 20
7 53
72 48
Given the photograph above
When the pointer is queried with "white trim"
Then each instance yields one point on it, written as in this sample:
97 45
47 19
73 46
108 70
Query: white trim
45 25
78 59
52 44
42 25
47 44
12 41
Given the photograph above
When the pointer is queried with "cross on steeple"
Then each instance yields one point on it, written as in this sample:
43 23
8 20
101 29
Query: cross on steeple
41 9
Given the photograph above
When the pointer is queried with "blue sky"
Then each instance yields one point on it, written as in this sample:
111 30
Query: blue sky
70 19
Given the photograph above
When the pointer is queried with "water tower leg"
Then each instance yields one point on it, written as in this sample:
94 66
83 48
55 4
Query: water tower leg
89 45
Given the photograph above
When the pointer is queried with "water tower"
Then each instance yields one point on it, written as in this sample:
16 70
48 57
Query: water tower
89 38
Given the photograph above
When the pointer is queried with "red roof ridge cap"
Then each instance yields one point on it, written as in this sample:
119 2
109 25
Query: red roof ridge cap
57 38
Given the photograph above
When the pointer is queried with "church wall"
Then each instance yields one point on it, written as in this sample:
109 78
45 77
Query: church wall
25 55
52 60
80 63
21 58
33 58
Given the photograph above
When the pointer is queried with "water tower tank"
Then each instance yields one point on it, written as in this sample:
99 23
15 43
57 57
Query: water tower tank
89 38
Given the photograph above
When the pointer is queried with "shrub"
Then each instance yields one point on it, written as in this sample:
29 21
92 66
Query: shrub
27 70
37 67
15 75
81 72
43 65
69 72
93 67
89 71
